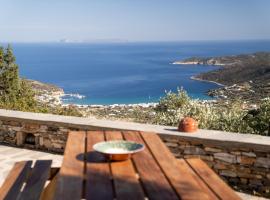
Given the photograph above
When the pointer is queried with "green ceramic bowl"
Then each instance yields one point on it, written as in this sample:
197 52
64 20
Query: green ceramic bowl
118 149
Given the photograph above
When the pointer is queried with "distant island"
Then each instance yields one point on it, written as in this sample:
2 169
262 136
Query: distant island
244 76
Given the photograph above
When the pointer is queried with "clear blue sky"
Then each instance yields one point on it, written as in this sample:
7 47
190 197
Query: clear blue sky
133 20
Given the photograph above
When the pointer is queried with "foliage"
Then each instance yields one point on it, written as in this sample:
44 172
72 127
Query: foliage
16 93
228 117
172 107
259 119
68 111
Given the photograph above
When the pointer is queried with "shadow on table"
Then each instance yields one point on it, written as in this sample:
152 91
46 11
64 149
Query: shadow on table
92 157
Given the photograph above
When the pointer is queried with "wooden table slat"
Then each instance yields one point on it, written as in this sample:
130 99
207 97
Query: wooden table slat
37 180
179 176
154 181
98 175
201 183
10 189
153 173
127 185
70 180
212 180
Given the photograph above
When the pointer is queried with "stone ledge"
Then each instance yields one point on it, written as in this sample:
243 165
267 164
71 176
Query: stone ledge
207 136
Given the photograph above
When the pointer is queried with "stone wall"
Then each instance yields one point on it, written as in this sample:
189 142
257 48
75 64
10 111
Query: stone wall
245 167
242 160
46 137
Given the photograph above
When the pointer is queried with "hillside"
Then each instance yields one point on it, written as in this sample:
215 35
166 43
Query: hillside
41 87
46 93
246 76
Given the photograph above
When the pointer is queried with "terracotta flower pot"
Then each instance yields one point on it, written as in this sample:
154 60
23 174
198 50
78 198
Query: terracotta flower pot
188 124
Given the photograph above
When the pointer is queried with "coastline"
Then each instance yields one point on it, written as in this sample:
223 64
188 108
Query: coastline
198 79
143 105
198 63
56 98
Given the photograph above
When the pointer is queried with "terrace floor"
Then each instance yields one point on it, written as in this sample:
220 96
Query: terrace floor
10 155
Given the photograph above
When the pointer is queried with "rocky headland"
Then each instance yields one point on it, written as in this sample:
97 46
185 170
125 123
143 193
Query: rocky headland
47 93
245 77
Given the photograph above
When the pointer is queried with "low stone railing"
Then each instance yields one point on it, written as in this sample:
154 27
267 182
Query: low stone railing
243 160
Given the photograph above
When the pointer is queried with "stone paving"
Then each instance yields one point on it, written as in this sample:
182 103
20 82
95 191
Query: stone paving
10 155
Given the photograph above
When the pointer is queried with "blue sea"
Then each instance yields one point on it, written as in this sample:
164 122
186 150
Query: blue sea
124 73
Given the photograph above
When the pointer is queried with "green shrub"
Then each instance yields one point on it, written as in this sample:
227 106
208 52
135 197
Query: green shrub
229 117
259 119
17 94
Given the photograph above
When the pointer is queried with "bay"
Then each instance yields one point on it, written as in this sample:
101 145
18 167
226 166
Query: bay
124 72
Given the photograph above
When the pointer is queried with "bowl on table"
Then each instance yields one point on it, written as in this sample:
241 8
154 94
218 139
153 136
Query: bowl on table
118 150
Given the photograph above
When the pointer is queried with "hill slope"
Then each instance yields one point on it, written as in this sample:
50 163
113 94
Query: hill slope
246 76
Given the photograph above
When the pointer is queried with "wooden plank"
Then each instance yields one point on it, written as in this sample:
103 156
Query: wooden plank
70 181
222 190
201 183
17 176
183 182
48 192
98 177
153 179
126 183
53 172
37 180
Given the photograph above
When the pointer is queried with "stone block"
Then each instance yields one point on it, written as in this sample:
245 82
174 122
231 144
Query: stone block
194 150
249 176
43 128
249 154
11 134
227 173
242 169
220 166
235 152
268 176
47 143
226 157
12 123
65 130
246 160
183 142
41 141
263 162
255 182
15 128
208 158
53 128
211 149
171 144
30 127
57 145
19 138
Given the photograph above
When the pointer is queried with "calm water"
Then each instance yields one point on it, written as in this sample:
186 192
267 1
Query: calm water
124 73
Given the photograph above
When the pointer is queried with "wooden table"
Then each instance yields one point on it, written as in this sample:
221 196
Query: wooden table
151 174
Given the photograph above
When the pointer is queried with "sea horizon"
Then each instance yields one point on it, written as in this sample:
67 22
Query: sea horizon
125 73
